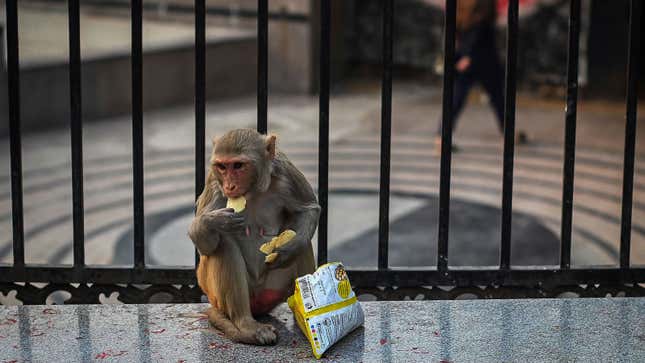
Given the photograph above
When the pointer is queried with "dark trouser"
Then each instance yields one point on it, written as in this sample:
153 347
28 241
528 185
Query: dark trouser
491 76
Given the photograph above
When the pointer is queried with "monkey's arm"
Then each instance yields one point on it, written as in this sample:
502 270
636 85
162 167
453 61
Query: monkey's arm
304 221
205 239
302 211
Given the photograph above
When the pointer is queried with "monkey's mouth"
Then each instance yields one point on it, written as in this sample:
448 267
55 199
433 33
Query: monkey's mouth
233 195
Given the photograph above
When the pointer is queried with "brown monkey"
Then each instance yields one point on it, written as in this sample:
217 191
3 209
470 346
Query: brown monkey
232 271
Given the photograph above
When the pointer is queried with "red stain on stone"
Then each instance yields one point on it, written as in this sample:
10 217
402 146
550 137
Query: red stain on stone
383 341
37 334
181 361
158 331
109 353
49 311
101 355
9 321
445 361
11 361
436 333
215 345
294 343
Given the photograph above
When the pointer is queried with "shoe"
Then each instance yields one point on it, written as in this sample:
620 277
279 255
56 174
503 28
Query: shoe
521 138
437 146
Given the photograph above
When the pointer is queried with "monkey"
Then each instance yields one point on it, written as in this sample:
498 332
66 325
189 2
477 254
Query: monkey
232 271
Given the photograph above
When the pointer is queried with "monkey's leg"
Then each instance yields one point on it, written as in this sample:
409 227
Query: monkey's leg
229 288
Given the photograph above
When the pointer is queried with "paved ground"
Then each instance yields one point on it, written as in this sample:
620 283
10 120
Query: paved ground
354 175
539 330
50 45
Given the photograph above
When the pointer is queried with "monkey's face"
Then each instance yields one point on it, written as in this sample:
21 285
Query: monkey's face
235 175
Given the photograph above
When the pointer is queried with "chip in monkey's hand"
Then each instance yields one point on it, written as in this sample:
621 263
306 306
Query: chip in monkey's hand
238 204
276 242
270 257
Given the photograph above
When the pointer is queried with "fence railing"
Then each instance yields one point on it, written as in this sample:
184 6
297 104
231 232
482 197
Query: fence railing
138 283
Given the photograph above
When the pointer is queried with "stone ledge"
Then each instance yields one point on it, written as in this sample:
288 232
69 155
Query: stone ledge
609 329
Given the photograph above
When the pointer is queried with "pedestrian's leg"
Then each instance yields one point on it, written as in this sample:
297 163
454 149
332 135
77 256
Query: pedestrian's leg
493 82
463 83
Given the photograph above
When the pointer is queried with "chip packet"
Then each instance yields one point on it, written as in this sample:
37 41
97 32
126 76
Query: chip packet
325 307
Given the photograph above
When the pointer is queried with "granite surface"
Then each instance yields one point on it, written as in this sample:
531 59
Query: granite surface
611 329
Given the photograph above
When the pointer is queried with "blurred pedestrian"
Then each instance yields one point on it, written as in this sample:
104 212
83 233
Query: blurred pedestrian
477 60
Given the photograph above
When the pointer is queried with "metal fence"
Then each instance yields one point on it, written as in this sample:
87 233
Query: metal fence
139 283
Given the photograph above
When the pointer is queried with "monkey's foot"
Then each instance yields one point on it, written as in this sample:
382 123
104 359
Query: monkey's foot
266 334
258 333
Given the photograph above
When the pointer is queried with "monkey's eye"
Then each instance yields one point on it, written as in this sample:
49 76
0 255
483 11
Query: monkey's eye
238 165
220 166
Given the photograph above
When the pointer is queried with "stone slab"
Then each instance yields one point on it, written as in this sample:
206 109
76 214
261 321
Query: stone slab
610 329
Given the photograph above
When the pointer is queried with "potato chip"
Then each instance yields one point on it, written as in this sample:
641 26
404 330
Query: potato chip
238 204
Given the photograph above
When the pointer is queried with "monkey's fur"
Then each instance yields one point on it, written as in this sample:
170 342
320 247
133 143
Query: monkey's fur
232 271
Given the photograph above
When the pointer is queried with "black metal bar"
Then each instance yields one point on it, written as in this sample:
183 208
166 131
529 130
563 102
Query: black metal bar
76 130
200 100
531 276
509 133
570 135
263 64
446 133
13 75
468 277
386 135
99 274
630 131
323 129
137 132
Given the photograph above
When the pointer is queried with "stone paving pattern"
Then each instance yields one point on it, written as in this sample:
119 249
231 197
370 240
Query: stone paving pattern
586 330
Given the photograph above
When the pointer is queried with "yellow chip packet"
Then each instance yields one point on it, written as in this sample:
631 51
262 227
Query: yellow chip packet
325 307
238 204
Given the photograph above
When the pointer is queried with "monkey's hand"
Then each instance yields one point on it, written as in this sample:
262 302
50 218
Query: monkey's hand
286 253
206 229
224 220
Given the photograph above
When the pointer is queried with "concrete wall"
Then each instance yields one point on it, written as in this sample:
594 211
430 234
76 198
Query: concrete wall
168 79
291 62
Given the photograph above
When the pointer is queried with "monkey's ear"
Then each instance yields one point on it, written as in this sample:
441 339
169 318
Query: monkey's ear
270 145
